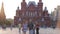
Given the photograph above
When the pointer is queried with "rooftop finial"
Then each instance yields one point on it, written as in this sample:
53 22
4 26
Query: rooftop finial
18 7
45 8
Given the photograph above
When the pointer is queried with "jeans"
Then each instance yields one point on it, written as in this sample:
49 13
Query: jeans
31 31
37 30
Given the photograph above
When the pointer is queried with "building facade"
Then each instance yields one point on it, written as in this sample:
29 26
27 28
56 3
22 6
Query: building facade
54 17
58 17
32 12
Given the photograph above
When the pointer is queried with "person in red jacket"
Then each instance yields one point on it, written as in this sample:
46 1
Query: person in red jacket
37 28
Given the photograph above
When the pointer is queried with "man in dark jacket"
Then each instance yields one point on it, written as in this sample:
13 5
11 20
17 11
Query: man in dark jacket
31 28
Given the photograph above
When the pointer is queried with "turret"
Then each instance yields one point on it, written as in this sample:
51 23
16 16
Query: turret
46 11
40 5
18 8
23 5
17 11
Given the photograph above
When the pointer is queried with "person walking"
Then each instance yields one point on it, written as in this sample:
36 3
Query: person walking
11 27
31 28
19 28
24 28
34 29
37 28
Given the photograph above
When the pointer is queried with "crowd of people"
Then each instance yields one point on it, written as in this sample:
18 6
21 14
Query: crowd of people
29 26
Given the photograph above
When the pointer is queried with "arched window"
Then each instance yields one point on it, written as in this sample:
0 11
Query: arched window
35 13
23 14
19 19
27 14
39 14
42 19
31 14
30 20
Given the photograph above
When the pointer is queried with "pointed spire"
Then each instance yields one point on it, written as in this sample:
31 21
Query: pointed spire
2 10
2 7
2 4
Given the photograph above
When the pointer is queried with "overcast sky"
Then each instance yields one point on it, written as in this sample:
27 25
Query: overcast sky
10 6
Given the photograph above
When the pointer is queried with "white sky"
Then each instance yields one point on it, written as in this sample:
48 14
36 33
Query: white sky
10 6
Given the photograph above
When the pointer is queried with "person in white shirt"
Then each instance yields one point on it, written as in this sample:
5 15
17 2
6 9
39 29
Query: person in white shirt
24 28
19 28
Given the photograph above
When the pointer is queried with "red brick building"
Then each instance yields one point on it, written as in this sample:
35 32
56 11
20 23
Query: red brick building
32 13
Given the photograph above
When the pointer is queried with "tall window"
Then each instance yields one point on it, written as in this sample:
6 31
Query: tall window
23 14
19 19
42 19
39 14
30 20
27 13
35 13
31 14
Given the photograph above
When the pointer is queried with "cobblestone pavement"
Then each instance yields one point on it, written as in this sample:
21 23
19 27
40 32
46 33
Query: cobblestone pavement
41 31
